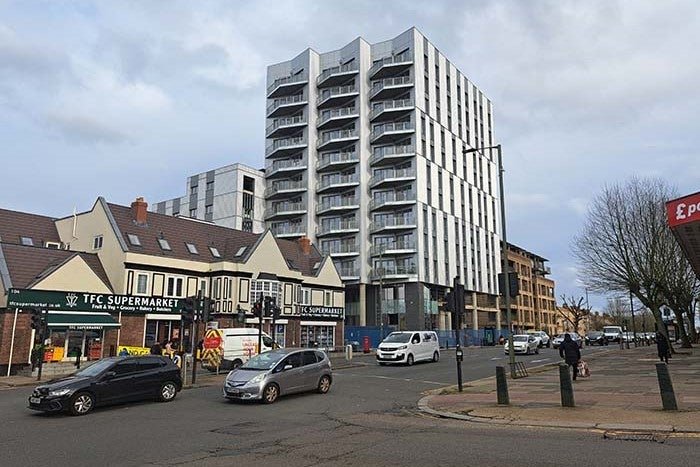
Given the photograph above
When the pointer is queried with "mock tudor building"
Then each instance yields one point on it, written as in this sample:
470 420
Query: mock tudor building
117 276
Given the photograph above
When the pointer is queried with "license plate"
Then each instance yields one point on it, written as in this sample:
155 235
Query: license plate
34 400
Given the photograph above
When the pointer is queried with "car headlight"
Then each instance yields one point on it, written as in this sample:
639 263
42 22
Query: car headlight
403 347
59 392
257 379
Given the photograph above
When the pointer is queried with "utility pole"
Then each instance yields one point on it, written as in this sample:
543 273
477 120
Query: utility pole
380 314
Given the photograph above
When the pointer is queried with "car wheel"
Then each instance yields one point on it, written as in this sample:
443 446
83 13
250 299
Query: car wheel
527 351
436 357
270 393
236 363
324 384
167 392
81 403
409 360
549 344
537 350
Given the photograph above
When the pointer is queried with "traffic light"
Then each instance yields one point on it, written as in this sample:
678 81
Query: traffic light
276 312
268 306
257 309
449 302
187 314
37 320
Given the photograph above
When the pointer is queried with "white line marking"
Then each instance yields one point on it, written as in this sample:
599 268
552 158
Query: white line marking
408 380
541 360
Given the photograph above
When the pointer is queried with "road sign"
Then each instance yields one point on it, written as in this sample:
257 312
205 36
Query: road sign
212 350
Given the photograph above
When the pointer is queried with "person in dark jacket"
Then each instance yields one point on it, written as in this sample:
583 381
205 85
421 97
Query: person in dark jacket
662 346
156 349
569 351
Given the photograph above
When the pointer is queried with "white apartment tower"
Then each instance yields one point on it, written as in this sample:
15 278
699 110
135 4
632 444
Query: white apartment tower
364 156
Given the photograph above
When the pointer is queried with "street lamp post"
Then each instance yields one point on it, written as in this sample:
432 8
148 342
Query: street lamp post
380 313
504 252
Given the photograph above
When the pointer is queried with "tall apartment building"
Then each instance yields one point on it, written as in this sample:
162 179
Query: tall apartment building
364 156
535 307
230 196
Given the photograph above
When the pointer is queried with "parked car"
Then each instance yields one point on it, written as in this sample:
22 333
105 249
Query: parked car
556 342
279 372
110 381
542 337
408 347
523 343
628 337
596 338
613 333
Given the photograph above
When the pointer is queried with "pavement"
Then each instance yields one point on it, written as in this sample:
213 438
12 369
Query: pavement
621 394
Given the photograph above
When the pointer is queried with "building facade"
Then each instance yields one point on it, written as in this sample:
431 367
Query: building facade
230 196
364 155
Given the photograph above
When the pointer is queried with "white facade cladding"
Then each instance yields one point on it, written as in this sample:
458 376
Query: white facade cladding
364 156
230 196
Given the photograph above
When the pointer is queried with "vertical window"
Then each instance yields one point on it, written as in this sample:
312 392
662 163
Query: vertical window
97 242
328 300
142 284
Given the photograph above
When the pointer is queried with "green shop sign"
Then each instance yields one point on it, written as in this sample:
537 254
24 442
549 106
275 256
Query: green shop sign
82 301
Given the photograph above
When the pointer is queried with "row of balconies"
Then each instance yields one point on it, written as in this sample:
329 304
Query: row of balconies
353 249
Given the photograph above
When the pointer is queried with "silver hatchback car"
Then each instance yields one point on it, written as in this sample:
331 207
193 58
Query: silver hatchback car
269 375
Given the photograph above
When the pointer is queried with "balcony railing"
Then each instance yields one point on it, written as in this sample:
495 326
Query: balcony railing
405 57
285 208
387 248
284 122
329 181
330 93
381 175
299 163
391 127
285 185
288 229
336 113
390 105
279 102
292 79
393 306
340 226
392 197
393 270
340 157
391 151
339 248
284 143
337 204
377 86
397 221
337 70
348 272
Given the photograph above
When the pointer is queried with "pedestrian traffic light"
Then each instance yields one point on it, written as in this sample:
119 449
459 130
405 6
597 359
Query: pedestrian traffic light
187 314
37 321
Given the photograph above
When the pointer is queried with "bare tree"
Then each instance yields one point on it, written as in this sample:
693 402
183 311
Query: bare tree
681 289
618 310
574 312
625 244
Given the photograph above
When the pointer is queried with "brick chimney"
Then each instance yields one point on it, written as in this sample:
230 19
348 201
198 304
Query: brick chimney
305 244
139 210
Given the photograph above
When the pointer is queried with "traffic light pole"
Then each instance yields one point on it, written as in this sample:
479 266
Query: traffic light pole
43 324
260 321
194 333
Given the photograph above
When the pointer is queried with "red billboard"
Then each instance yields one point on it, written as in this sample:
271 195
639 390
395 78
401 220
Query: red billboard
683 210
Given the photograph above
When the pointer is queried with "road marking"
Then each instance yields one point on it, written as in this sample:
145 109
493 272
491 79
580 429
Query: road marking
497 358
540 360
408 380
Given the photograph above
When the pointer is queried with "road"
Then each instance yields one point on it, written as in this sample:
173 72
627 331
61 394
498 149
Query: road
368 418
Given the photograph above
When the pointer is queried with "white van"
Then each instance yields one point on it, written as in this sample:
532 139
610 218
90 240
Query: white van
408 347
613 333
239 345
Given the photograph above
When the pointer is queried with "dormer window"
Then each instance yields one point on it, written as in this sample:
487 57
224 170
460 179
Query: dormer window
192 249
134 239
317 265
164 245
241 250
214 252
97 242
26 241
53 245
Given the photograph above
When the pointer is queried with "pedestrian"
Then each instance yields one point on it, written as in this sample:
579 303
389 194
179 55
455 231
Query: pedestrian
569 351
662 347
156 349
78 354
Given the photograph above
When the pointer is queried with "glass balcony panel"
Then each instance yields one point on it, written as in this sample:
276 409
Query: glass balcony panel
396 151
391 127
337 70
390 83
404 57
337 158
385 106
290 102
279 144
336 91
298 78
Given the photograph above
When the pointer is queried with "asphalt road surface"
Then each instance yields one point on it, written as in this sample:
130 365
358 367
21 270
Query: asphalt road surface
368 418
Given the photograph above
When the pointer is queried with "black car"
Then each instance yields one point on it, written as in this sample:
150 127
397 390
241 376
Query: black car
110 381
596 338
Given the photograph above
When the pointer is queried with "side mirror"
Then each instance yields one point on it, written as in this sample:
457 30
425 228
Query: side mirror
287 367
109 375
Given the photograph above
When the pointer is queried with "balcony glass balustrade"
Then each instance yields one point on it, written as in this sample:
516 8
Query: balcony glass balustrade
329 114
329 181
338 226
328 137
298 78
402 58
337 205
391 127
336 91
346 69
397 151
285 122
392 197
292 102
337 158
392 174
387 106
385 222
280 144
387 83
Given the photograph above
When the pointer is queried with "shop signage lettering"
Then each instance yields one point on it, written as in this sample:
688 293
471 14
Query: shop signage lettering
684 210
322 312
80 301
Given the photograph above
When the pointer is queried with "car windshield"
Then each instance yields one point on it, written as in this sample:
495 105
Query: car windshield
611 330
401 337
560 336
264 361
96 368
520 338
595 333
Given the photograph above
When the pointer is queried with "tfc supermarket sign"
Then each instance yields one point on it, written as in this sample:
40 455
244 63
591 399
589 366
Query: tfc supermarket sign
683 210
81 301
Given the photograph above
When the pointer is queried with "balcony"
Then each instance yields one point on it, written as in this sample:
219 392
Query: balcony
285 126
391 65
394 248
390 108
337 160
334 182
330 96
288 230
336 117
338 206
392 154
391 131
337 74
285 187
285 210
388 176
340 249
390 87
336 139
339 227
393 199
393 223
287 84
285 146
348 273
287 105
398 271
285 167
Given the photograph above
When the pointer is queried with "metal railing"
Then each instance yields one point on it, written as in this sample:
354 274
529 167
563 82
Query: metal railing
280 101
403 57
328 136
389 105
281 208
287 229
393 270
391 127
339 203
285 121
339 157
336 70
348 272
326 228
285 185
387 248
285 164
393 197
395 221
331 180
396 150
292 79
377 86
330 93
333 113
381 175
339 248
285 142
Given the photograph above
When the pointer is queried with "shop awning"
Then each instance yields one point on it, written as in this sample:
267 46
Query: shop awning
81 320
684 221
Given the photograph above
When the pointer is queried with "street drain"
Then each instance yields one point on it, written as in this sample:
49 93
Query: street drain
628 436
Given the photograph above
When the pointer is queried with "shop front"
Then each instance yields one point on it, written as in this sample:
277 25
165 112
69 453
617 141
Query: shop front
73 335
318 326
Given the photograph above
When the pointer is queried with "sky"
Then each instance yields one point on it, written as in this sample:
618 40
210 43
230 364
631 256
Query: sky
127 98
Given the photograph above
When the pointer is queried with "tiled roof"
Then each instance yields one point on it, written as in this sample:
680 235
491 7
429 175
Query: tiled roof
14 225
180 231
28 264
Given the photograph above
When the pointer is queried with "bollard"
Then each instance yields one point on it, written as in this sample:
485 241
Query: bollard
348 352
668 397
502 386
565 386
